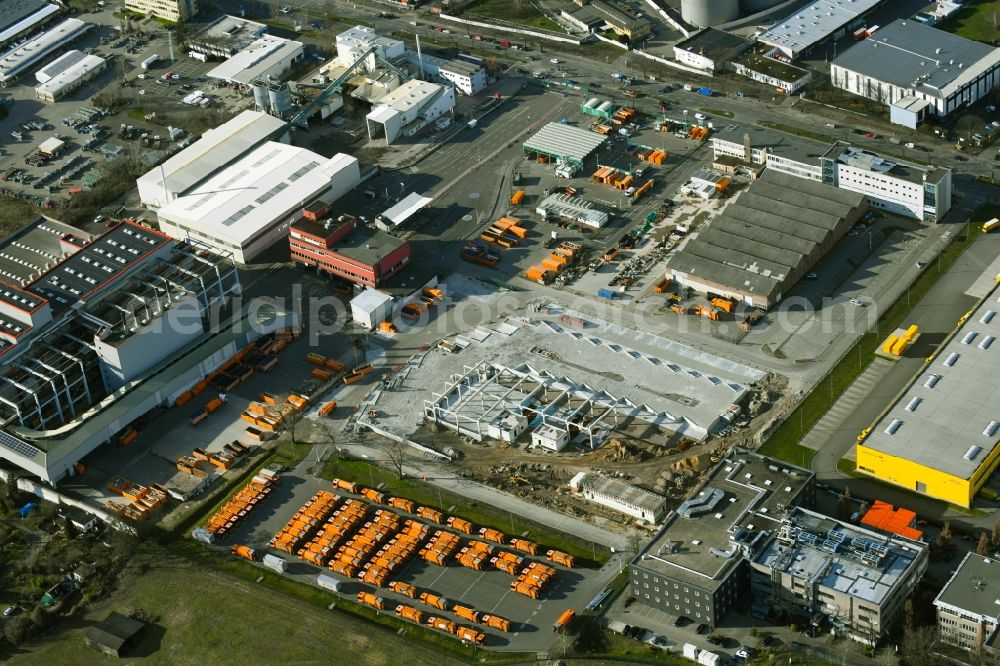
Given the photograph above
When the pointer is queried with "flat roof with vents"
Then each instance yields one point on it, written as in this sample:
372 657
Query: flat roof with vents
14 62
96 265
813 23
246 199
947 418
743 497
259 58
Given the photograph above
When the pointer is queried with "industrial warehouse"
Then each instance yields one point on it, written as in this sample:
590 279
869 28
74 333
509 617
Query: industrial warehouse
67 73
280 178
83 333
918 71
18 17
16 62
217 148
767 239
940 437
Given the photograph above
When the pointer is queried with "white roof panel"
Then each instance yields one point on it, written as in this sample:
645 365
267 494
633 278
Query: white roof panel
406 208
256 59
247 197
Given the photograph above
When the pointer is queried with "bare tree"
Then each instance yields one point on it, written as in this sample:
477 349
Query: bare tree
908 615
397 457
983 548
918 647
635 542
996 532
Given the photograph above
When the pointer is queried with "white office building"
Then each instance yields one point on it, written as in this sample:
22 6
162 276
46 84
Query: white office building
249 205
923 192
468 78
216 149
917 71
751 145
408 109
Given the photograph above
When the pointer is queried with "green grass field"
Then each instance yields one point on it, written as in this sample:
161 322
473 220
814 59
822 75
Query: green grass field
784 443
519 11
797 131
208 617
979 21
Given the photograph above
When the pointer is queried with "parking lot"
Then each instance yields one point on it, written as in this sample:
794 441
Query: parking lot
93 137
486 591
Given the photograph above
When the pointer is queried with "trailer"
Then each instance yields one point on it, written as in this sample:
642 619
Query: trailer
149 62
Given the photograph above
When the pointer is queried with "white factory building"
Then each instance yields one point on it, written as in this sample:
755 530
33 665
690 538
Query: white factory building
622 497
408 109
217 148
266 56
356 42
923 192
17 61
18 17
917 71
249 205
67 73
468 77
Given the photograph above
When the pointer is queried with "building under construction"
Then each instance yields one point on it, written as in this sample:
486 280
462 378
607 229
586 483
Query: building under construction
506 402
116 328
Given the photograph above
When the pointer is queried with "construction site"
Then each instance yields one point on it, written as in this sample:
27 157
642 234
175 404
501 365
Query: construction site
513 404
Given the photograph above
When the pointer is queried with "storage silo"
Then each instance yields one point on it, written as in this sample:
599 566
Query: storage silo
260 95
279 99
705 13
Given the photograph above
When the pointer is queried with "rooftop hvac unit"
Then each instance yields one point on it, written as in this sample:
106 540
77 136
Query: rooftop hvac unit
969 337
932 381
914 402
894 426
991 429
972 452
986 342
952 358
987 317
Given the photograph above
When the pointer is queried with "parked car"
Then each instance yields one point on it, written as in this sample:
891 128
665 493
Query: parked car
555 61
10 610
860 303
286 9
681 621
702 628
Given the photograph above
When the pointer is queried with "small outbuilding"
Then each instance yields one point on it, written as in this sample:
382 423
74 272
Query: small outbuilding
371 307
114 635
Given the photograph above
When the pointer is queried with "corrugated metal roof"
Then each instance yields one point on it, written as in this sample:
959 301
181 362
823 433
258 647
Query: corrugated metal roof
766 234
564 142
